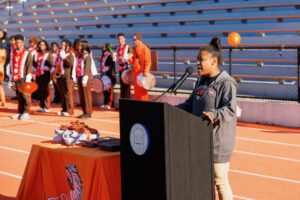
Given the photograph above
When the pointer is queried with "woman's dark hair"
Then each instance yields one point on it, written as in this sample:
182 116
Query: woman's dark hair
4 34
106 46
54 43
38 46
214 48
68 42
12 37
85 47
76 44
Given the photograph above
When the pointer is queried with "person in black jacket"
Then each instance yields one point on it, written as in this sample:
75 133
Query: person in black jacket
214 99
43 62
107 67
5 44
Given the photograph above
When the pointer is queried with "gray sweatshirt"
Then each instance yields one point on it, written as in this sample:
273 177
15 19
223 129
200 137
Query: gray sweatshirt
218 98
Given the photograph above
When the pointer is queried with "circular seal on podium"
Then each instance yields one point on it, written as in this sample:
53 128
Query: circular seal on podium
139 139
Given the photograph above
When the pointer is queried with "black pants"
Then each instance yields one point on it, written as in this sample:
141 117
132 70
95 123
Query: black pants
109 96
24 100
85 96
43 82
66 87
125 89
57 98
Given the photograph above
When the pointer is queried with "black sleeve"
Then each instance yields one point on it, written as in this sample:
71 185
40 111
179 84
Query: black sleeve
187 105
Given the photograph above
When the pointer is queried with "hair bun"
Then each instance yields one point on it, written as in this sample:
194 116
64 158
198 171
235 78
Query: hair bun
216 43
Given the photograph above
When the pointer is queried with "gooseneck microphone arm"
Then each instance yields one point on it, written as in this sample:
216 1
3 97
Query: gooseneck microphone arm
173 88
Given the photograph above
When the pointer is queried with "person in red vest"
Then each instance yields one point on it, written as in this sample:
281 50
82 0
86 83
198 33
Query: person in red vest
19 73
141 60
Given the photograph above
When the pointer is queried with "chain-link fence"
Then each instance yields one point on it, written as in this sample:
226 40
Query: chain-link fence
261 72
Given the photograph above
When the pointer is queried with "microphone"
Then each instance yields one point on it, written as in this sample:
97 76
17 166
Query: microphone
189 71
175 86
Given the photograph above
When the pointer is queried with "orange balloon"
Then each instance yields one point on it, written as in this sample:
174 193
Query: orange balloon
29 87
234 39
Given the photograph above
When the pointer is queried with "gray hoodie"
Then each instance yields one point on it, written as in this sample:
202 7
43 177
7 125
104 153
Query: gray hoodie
218 99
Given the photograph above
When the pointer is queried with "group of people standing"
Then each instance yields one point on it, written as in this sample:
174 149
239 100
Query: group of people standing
213 99
67 64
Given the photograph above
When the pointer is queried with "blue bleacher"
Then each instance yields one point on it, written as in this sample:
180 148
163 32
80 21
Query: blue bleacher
172 23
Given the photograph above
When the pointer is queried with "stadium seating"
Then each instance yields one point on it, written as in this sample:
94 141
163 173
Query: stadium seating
171 27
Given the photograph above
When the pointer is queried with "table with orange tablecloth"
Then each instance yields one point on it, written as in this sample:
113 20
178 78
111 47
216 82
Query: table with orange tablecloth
59 172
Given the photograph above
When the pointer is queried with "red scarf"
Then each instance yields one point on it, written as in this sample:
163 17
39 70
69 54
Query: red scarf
17 61
79 66
55 57
121 54
103 60
32 49
40 58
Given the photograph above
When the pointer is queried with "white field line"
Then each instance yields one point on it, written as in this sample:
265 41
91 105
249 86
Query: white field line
105 120
267 156
11 175
14 150
259 129
25 134
268 142
265 176
243 198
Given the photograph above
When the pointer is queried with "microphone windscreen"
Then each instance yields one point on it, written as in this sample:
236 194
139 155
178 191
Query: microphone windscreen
189 70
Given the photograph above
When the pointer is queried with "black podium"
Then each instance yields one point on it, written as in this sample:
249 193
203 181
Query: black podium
166 153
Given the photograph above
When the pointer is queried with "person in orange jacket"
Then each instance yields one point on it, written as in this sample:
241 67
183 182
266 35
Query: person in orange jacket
141 60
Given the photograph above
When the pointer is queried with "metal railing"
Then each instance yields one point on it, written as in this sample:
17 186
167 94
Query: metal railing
261 72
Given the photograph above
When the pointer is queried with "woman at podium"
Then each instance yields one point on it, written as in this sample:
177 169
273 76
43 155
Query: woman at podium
214 99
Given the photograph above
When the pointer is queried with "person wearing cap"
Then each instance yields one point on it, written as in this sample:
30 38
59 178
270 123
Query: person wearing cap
141 60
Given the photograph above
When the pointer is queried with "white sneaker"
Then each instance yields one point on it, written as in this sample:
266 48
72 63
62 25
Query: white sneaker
46 110
25 116
16 116
40 110
103 106
108 107
66 114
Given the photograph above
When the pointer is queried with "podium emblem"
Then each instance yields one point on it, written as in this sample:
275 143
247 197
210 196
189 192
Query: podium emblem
139 139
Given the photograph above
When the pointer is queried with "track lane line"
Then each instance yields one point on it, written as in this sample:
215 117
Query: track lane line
11 175
268 142
267 156
14 150
25 134
265 176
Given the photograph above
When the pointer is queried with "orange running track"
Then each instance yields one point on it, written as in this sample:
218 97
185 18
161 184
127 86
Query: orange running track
265 164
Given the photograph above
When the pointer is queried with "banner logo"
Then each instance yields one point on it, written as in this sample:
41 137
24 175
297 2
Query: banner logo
74 181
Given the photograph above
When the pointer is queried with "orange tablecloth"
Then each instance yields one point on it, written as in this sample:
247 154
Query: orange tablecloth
55 171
